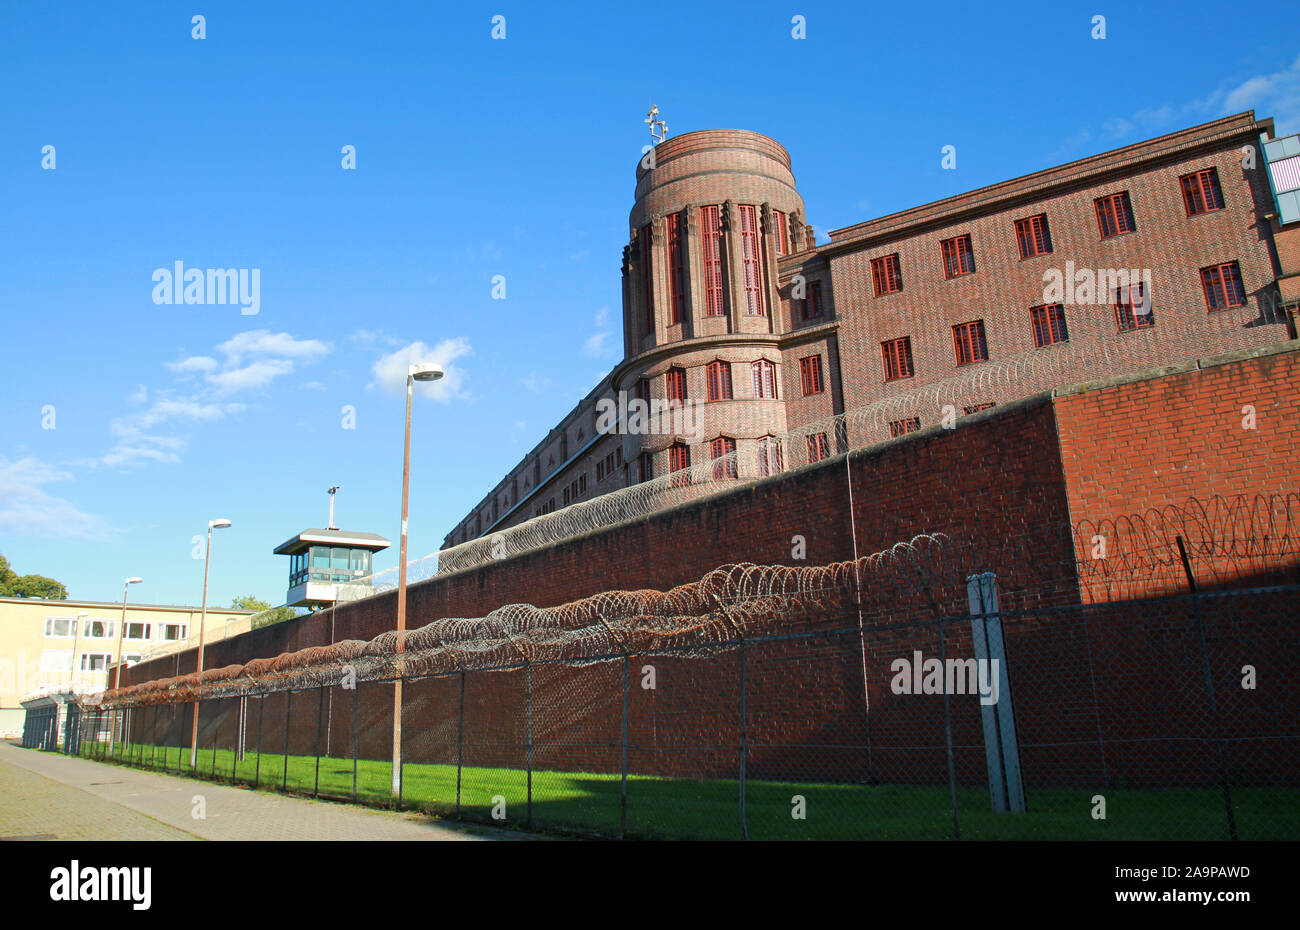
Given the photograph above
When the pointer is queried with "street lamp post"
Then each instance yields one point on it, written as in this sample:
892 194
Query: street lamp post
418 372
76 636
203 619
117 674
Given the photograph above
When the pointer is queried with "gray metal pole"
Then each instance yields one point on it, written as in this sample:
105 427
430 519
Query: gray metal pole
622 824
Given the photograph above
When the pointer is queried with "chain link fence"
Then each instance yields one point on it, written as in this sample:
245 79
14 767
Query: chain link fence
901 696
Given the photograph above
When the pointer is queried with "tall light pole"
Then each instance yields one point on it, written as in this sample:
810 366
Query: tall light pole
424 371
121 634
203 620
76 635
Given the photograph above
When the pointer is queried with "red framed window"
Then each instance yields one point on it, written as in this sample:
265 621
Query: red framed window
646 280
886 275
976 408
780 235
711 236
1201 191
676 270
1130 304
958 256
764 380
643 390
1223 286
898 358
900 427
675 385
1034 236
818 447
769 457
810 375
968 341
1115 215
679 459
719 380
645 466
812 304
1049 325
751 261
722 446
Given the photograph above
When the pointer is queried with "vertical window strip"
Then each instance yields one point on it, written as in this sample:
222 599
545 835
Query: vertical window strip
676 277
1126 317
712 235
968 339
646 278
750 261
779 233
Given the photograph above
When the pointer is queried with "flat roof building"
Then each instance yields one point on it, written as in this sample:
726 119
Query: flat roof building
49 647
1169 249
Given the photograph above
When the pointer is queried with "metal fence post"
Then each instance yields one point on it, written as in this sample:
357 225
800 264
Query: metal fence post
998 719
401 739
622 820
257 764
153 739
528 736
744 745
356 733
947 735
288 706
1209 687
320 719
460 740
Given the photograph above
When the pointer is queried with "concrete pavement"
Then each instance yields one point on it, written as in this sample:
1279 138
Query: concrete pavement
49 796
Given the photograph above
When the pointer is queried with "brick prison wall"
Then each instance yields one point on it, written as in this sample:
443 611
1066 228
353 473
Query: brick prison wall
1149 443
1130 670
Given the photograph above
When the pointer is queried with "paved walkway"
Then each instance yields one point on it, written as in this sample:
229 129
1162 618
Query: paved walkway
49 796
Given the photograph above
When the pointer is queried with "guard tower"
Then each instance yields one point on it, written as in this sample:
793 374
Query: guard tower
321 560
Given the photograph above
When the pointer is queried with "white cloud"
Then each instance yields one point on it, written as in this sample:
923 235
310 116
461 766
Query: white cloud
390 370
263 342
314 386
1276 95
26 508
140 396
195 363
535 384
597 343
137 446
253 375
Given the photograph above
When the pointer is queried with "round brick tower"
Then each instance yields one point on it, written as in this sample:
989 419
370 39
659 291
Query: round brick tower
702 317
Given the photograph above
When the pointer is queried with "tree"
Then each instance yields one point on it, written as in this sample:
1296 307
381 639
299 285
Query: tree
14 585
268 614
249 602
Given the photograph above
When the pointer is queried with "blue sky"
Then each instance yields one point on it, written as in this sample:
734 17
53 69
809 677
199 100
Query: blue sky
474 157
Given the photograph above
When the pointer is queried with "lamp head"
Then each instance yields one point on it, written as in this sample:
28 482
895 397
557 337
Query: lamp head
134 580
425 371
219 523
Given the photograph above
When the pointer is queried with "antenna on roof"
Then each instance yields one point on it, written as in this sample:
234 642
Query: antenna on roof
658 128
331 524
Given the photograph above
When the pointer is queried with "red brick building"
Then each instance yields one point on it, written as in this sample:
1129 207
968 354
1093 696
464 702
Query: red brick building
1147 255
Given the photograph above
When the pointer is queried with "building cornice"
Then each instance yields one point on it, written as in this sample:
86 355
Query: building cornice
1040 185
117 605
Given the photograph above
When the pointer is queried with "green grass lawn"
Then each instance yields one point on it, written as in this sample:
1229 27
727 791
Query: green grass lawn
590 803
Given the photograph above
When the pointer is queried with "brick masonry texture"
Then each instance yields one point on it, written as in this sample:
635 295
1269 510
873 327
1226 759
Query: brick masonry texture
734 168
1093 452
